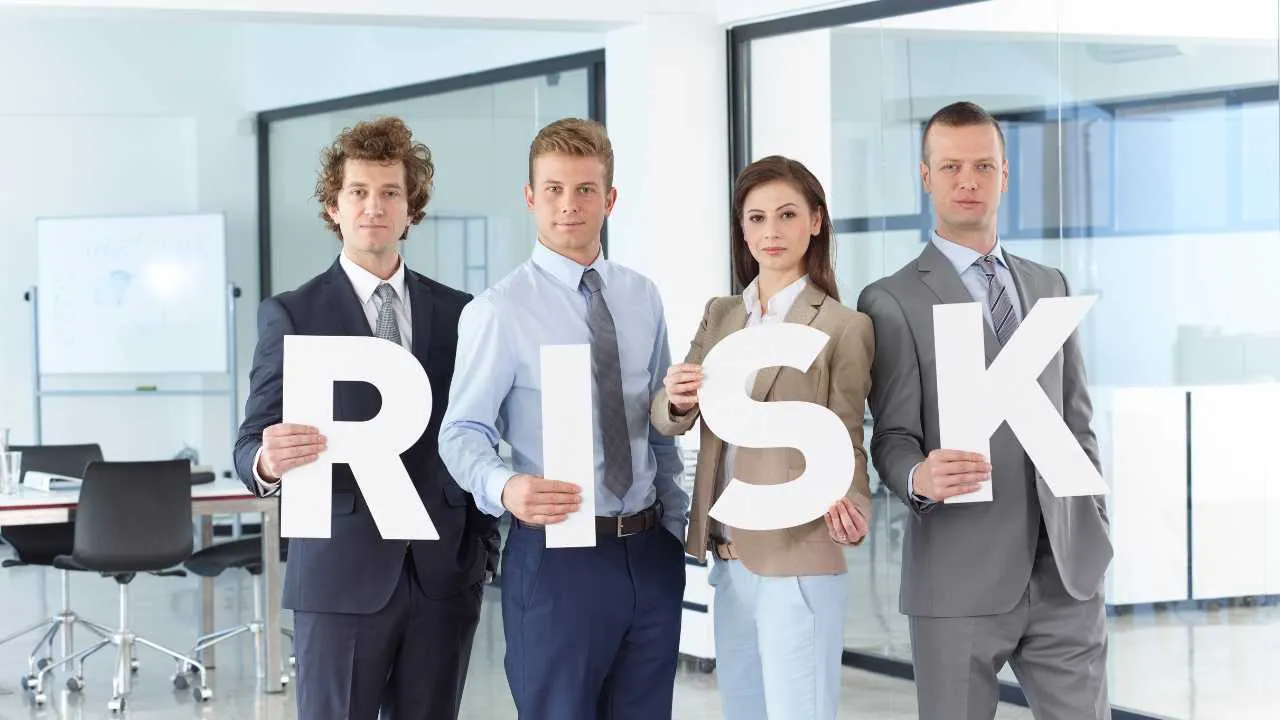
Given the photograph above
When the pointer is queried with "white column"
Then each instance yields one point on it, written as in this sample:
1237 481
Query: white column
667 113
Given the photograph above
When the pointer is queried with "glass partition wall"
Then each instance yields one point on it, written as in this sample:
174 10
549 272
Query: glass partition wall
1144 161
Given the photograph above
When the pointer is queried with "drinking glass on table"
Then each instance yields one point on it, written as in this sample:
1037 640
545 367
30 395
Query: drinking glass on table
10 472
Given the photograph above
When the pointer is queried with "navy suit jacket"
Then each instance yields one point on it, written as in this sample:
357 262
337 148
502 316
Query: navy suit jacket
355 570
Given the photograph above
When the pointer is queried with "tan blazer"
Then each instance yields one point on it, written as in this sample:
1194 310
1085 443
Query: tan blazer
838 379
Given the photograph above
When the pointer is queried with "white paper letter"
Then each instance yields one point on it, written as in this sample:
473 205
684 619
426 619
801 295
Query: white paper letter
568 446
973 400
815 431
312 364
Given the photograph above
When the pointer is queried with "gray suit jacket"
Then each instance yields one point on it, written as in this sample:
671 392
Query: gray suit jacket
962 560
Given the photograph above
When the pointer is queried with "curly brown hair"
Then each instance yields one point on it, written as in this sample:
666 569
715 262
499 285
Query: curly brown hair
385 140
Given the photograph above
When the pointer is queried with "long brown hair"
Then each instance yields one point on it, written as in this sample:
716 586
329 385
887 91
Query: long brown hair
819 259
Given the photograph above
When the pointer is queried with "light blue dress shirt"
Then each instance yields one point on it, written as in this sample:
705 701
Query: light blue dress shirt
975 281
496 390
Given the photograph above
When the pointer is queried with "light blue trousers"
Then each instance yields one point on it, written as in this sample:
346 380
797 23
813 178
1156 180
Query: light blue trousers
778 643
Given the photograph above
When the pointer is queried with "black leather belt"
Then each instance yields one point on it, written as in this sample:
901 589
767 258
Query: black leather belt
621 525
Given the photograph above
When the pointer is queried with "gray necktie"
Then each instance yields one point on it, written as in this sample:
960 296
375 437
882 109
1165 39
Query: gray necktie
387 328
608 378
1003 319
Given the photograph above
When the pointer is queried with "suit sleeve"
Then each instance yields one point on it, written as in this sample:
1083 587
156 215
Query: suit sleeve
850 384
1077 407
264 406
896 397
660 413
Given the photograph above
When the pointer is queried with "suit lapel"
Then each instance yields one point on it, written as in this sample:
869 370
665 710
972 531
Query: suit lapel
420 309
937 272
802 311
344 303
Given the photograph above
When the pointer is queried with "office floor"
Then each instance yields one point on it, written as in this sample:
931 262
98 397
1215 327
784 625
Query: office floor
1196 663
1191 662
165 611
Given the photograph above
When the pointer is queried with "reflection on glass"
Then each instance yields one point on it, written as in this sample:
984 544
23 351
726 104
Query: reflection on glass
1144 161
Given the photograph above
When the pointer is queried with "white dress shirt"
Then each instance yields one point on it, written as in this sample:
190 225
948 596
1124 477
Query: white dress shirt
777 311
364 283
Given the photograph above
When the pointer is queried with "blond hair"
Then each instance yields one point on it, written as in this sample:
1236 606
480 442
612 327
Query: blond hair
577 138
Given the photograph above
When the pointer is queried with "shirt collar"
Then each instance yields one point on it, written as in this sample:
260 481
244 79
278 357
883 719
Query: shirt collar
365 282
565 270
781 303
962 257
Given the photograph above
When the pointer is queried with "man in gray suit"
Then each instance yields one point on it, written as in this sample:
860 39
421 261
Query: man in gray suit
1017 579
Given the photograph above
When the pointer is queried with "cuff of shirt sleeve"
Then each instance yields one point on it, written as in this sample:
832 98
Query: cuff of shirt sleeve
267 488
675 526
911 487
490 499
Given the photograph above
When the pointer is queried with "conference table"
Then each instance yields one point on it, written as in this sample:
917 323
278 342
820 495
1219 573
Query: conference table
30 506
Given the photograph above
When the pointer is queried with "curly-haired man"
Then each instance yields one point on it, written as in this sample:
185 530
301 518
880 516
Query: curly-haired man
380 625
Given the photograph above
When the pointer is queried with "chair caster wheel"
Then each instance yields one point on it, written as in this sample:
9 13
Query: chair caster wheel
133 666
202 694
26 682
75 684
116 705
180 682
39 699
284 679
43 663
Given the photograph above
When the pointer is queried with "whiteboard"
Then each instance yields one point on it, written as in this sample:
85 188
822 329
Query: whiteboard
132 294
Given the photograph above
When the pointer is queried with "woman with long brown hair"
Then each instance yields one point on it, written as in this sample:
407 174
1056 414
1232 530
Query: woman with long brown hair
779 594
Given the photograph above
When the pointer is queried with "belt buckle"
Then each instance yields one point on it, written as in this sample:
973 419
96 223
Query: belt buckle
620 533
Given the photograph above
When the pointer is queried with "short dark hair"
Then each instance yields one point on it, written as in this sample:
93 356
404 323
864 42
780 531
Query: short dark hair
959 114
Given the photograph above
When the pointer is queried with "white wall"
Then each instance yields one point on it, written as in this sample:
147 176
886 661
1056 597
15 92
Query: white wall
737 12
107 118
667 114
502 14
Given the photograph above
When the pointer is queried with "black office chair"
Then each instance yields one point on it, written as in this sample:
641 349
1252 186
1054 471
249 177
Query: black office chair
39 545
246 554
133 517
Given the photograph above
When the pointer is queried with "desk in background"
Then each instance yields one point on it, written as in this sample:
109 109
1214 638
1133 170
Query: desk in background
224 495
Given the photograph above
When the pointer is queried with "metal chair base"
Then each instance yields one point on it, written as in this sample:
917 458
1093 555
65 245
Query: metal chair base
256 628
40 664
125 642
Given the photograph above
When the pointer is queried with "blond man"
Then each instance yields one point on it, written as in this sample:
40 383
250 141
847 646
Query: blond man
591 632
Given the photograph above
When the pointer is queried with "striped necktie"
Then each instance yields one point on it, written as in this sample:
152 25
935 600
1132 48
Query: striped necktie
1003 319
